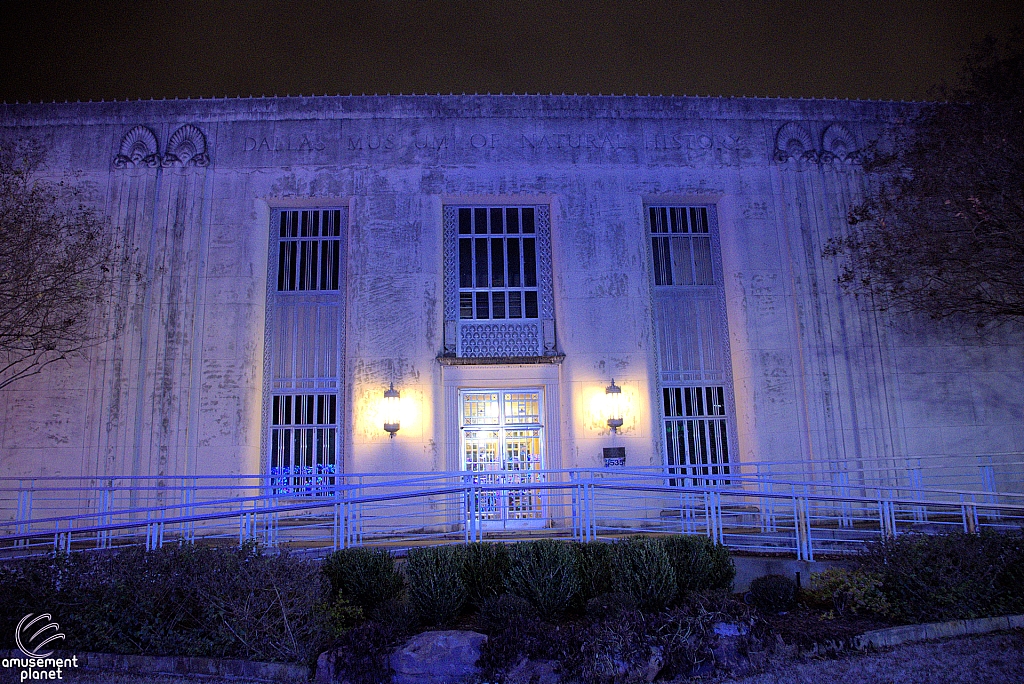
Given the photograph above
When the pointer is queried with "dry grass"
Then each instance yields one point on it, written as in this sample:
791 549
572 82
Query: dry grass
989 659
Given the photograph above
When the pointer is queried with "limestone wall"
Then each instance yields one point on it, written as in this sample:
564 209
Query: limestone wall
178 388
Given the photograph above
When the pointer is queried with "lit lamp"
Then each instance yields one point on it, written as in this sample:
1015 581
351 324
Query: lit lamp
392 421
613 405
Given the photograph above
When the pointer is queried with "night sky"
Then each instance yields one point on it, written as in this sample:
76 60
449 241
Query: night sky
890 49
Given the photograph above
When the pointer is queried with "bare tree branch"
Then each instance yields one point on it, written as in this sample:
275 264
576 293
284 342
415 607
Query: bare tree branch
56 261
941 229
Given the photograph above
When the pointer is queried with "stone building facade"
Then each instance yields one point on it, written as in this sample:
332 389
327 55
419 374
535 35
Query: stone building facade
499 261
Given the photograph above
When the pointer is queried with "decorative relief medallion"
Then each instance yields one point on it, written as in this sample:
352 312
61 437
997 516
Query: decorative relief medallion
499 339
138 148
793 141
837 143
187 146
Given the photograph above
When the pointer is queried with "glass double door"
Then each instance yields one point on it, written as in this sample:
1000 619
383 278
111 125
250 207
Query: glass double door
502 449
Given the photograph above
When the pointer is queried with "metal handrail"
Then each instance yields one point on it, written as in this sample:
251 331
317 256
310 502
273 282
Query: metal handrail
582 503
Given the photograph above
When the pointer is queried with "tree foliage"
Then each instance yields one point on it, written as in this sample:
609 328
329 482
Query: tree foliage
941 231
56 259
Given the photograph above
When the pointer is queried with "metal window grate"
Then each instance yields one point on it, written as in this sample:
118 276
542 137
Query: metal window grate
690 329
309 250
303 444
304 351
497 262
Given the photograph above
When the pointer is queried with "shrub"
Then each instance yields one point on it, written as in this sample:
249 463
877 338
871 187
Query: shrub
365 577
772 593
845 591
928 578
362 654
513 631
641 568
544 573
484 566
436 589
594 564
180 600
699 563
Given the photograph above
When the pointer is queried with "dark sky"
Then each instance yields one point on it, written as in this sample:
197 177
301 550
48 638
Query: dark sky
889 49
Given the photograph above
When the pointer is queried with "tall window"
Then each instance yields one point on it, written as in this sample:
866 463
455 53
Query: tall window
305 310
498 294
690 325
497 263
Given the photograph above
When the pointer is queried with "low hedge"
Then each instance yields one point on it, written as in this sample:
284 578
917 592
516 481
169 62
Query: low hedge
180 600
928 578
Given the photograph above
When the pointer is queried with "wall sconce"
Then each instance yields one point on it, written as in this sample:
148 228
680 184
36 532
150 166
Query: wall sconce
392 420
613 406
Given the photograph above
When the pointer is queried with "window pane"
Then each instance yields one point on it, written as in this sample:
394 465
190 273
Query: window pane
682 267
499 304
529 262
702 274
496 222
511 220
497 262
481 305
531 304
514 270
465 221
698 219
481 262
662 264
515 305
480 219
465 305
465 262
528 220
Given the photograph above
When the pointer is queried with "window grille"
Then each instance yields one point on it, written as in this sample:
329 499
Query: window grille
497 263
304 358
309 250
690 329
303 444
502 437
498 294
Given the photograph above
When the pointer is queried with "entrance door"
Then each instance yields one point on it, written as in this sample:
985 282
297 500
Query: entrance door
502 443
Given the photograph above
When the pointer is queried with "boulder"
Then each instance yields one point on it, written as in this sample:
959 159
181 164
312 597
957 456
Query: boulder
444 657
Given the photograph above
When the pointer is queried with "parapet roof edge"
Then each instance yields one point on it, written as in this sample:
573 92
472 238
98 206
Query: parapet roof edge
452 105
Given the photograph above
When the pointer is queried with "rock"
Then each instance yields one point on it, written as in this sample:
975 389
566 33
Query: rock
325 673
444 657
654 663
533 672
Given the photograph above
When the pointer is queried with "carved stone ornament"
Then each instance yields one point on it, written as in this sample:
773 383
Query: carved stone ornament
186 146
138 148
837 143
793 141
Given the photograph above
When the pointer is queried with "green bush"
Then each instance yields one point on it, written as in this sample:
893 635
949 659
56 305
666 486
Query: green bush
436 589
180 600
641 568
847 591
699 563
484 566
772 593
365 577
514 632
594 564
928 578
544 573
